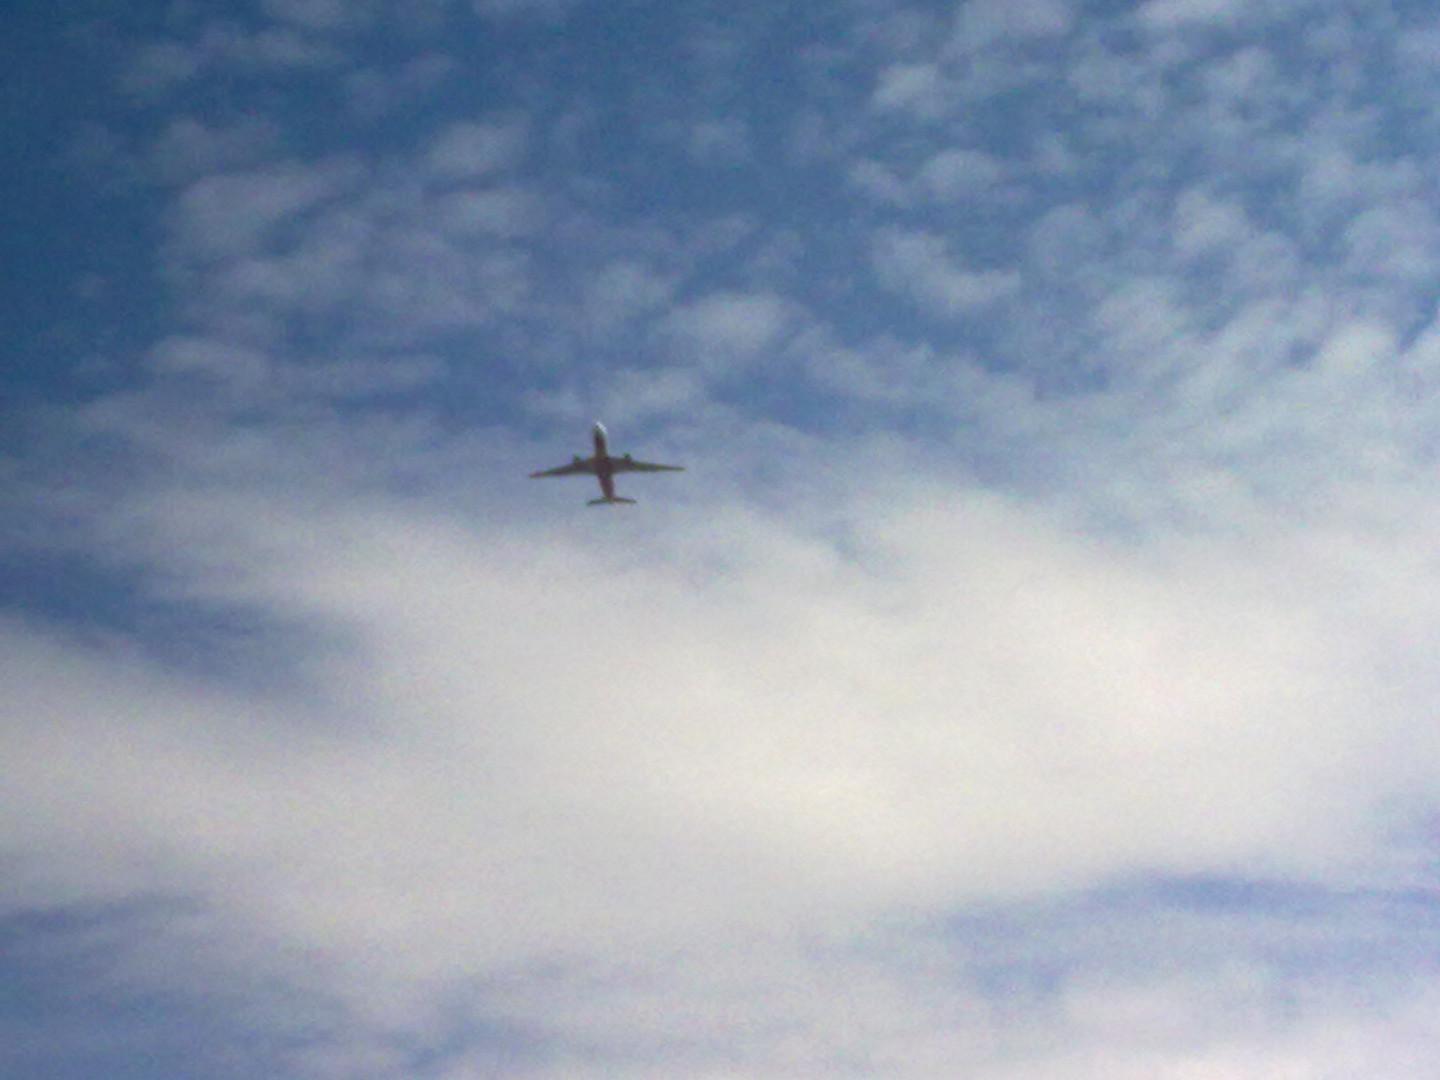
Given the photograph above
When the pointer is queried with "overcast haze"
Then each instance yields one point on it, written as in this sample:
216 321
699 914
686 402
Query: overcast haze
1032 675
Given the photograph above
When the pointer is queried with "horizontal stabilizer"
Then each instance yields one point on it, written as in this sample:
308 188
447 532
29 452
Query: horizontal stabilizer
612 500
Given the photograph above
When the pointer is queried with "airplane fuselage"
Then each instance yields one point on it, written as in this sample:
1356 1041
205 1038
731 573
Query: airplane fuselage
604 467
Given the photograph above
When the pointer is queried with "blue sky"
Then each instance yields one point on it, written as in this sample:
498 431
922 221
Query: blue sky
1031 676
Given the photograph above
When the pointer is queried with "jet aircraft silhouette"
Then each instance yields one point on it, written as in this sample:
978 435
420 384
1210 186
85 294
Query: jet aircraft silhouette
604 467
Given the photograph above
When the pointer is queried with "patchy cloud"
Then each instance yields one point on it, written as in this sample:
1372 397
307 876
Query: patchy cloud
468 150
916 265
725 329
980 23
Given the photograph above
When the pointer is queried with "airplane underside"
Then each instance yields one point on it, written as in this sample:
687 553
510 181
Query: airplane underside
604 467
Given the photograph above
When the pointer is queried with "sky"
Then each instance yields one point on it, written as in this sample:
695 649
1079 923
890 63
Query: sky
1031 676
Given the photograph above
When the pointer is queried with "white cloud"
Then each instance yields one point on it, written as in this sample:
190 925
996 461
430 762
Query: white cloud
1247 81
240 370
921 89
728 330
917 265
1063 239
239 213
280 49
1395 242
376 92
957 174
189 149
724 141
686 761
908 1005
241 376
469 150
622 290
324 268
220 46
981 23
879 182
801 733
157 67
949 175
1204 225
1336 182
1174 14
321 15
549 11
501 211
428 284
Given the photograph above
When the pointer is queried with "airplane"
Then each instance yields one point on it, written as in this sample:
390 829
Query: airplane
604 467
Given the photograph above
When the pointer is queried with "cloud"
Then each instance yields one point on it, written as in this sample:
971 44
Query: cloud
189 149
1204 225
624 289
955 174
377 91
466 151
980 23
916 265
720 141
1174 14
549 11
950 175
1393 242
726 330
879 182
158 68
917 1002
241 213
319 15
500 211
917 88
801 734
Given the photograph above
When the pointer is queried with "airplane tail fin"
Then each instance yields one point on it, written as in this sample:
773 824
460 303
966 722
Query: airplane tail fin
610 501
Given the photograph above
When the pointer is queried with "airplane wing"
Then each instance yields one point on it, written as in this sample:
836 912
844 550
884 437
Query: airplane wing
576 466
625 464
